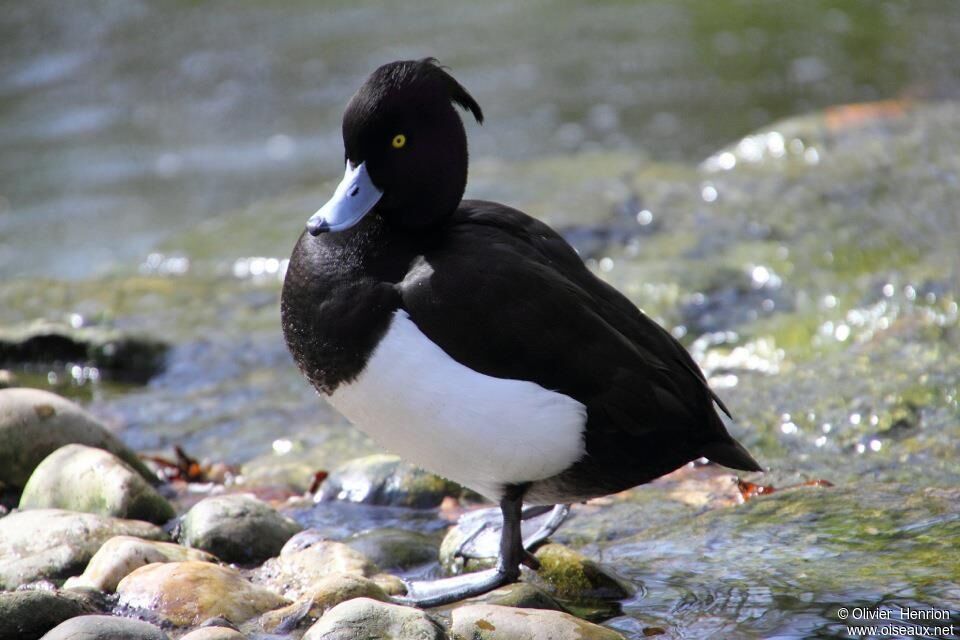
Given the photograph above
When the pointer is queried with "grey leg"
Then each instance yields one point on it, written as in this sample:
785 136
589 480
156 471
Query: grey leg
440 592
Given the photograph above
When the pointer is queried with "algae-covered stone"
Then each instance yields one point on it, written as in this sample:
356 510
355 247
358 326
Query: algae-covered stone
386 480
99 627
35 423
296 570
52 543
81 478
572 576
127 356
187 593
322 596
28 614
121 555
374 620
236 528
392 548
492 622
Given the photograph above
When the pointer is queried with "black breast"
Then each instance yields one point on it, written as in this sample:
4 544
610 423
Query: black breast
338 298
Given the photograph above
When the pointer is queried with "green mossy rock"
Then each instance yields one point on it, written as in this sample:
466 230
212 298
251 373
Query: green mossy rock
81 478
236 528
35 423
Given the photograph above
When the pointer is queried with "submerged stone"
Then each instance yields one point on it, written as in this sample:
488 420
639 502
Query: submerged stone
236 528
35 423
187 593
116 353
81 478
52 543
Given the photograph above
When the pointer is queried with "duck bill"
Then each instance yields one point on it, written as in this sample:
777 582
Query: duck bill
354 197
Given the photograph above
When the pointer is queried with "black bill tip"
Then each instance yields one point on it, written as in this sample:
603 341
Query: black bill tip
316 226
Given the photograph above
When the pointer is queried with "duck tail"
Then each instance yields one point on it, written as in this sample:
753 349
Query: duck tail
730 454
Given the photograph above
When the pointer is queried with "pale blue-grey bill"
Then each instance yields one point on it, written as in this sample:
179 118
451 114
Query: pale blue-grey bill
354 197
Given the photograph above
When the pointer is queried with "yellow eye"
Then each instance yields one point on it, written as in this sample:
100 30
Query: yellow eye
398 141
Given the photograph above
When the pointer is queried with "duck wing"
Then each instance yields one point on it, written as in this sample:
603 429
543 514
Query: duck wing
505 295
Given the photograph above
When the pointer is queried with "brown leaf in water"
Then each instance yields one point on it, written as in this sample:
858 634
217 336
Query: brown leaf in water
185 468
847 116
318 479
749 490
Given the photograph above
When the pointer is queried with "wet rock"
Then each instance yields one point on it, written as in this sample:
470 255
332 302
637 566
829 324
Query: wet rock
236 528
482 528
81 478
492 622
187 593
572 576
121 555
453 563
52 543
322 596
297 569
374 620
386 480
392 585
214 633
524 596
105 628
391 548
35 423
118 354
28 614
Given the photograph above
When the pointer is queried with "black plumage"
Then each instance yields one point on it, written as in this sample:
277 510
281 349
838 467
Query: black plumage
498 292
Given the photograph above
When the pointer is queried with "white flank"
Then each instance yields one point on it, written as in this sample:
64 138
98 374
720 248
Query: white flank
480 431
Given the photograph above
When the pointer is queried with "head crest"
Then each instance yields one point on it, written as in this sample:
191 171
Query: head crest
425 77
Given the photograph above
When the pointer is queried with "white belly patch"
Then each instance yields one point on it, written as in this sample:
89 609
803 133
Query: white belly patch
480 431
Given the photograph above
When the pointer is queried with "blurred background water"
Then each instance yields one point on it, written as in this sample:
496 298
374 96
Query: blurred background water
122 121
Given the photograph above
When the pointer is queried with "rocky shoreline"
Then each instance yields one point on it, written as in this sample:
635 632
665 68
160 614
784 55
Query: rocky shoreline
96 547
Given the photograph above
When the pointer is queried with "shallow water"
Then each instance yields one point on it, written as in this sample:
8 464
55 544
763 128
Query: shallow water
123 122
811 267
